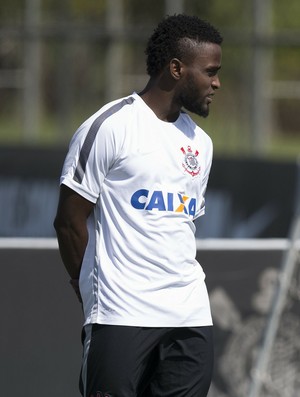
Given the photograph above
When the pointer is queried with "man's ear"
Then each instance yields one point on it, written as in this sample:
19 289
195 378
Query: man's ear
176 68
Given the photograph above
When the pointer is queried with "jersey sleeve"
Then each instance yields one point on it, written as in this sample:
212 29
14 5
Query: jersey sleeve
92 152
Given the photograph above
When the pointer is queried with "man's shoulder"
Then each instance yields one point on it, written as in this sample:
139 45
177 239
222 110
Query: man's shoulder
112 108
110 114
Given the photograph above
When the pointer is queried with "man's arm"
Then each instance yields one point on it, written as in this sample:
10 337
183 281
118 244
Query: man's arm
71 228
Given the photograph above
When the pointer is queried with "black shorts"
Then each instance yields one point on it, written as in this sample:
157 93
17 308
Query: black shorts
123 361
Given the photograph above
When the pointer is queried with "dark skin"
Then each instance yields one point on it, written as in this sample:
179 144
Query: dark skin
70 225
190 84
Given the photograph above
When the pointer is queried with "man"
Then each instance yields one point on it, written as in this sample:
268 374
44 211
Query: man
132 184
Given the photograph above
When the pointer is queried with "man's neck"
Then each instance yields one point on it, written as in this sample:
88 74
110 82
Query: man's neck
160 100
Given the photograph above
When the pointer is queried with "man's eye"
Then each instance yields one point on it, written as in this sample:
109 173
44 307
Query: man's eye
212 72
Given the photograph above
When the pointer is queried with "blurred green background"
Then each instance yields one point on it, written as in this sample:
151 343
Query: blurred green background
60 61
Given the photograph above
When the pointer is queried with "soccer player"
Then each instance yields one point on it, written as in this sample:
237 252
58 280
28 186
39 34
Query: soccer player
132 183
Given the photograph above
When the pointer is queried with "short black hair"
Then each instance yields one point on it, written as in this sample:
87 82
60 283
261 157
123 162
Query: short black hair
164 44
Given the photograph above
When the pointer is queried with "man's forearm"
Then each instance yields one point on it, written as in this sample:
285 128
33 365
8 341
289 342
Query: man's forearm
72 245
71 228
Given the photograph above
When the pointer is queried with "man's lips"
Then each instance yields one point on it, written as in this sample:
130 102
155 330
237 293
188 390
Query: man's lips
210 97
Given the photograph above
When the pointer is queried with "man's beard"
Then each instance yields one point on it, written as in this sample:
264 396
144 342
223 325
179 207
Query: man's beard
189 99
200 109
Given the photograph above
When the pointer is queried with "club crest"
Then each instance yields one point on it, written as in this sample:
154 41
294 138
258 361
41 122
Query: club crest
190 162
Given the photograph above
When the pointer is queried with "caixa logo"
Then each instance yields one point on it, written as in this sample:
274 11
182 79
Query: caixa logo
143 199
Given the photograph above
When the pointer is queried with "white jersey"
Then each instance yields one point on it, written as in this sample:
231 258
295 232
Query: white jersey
147 179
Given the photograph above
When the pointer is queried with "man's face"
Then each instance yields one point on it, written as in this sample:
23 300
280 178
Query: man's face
200 79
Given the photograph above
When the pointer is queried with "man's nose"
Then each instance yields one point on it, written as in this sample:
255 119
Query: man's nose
216 83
